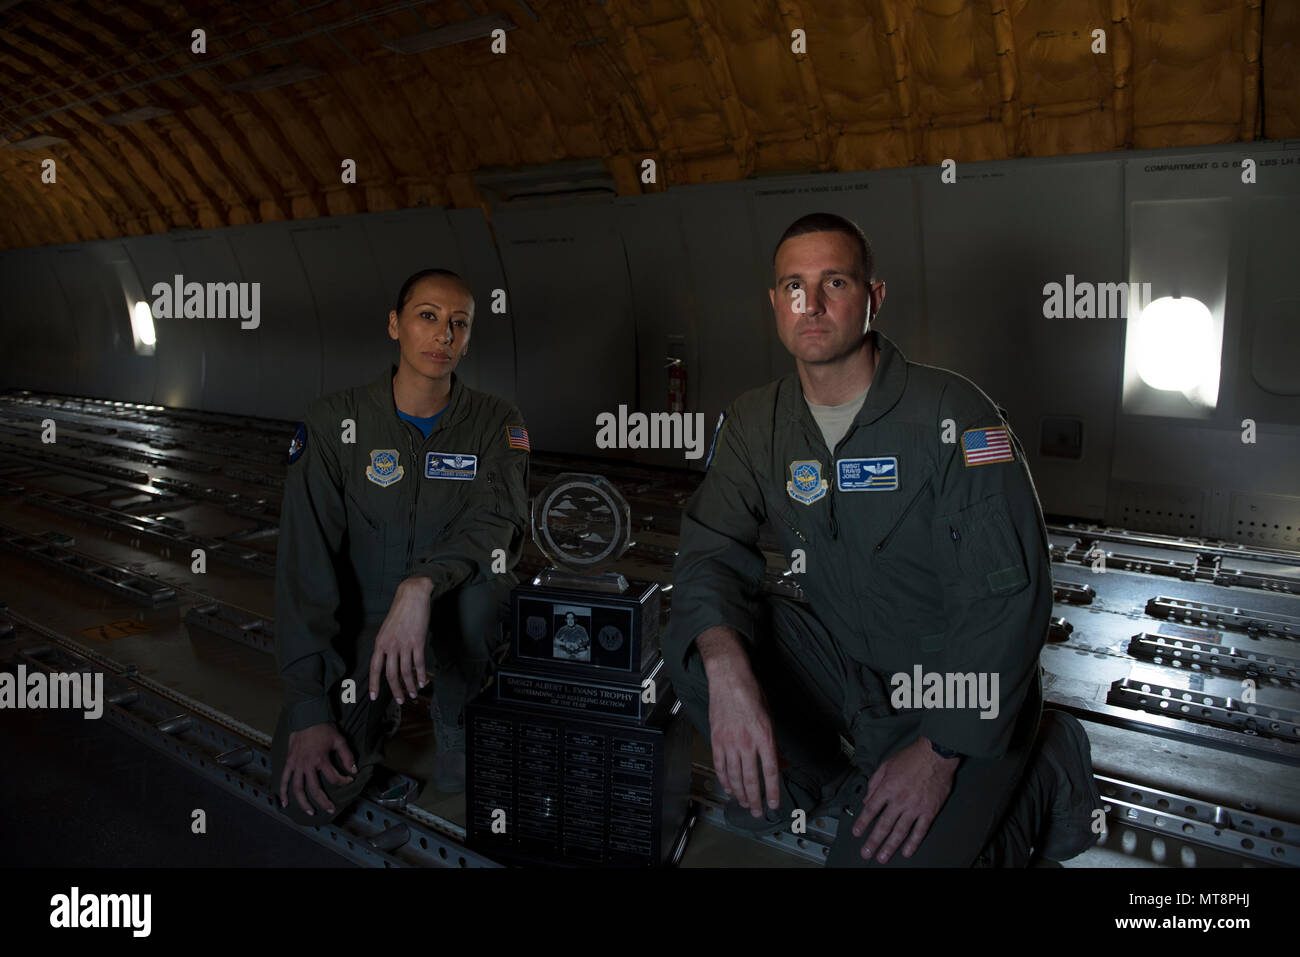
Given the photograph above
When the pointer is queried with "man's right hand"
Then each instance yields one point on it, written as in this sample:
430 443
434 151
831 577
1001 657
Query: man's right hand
744 746
309 755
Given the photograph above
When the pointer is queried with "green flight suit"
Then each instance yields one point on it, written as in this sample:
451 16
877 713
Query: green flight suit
924 545
359 517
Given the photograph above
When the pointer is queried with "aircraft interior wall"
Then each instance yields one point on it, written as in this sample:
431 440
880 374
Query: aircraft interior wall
598 291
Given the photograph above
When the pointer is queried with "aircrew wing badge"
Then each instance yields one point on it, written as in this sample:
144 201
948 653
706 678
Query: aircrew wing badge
383 468
806 484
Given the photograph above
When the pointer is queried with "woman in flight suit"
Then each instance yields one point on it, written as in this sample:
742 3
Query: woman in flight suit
404 510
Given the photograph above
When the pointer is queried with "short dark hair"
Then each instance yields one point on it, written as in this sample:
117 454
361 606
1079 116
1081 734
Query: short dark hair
830 223
404 296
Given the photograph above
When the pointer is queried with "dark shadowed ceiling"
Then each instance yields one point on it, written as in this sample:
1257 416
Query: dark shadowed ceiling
149 136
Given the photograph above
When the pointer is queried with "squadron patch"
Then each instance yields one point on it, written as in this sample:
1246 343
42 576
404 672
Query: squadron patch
878 474
298 444
806 484
383 468
986 446
450 465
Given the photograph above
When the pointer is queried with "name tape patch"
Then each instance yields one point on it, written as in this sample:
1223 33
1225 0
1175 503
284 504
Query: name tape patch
456 466
879 474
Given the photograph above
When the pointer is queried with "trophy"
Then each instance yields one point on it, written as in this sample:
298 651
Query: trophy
578 752
584 639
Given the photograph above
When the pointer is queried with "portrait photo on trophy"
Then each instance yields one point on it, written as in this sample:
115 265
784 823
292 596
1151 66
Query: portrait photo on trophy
645 438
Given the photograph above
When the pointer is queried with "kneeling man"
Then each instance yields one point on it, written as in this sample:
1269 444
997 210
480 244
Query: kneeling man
913 528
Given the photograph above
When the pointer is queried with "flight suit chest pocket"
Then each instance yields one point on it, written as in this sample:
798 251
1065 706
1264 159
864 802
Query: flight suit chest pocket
443 503
986 552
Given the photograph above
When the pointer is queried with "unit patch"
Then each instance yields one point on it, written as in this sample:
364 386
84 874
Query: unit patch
383 468
806 484
986 446
879 474
297 444
450 465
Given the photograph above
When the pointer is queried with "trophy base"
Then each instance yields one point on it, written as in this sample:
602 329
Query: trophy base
577 790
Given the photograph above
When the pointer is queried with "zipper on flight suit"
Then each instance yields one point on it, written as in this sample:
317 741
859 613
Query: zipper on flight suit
830 491
415 499
906 511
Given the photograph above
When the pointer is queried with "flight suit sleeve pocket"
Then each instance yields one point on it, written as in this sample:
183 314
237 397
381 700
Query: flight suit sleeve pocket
986 549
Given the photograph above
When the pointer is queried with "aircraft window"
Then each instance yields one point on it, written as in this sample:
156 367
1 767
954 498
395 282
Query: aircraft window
1174 346
142 326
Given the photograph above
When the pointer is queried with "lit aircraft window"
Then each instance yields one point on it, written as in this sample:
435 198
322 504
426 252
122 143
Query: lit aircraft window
1175 345
1172 354
142 324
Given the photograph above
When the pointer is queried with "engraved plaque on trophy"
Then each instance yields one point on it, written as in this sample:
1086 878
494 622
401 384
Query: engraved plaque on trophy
579 744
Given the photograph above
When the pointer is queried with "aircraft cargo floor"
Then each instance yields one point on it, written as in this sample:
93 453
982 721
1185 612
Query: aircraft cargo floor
97 532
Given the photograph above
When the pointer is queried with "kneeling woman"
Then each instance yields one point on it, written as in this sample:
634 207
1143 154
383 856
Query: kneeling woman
405 507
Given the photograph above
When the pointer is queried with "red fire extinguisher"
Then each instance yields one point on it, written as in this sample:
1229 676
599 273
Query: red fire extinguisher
676 375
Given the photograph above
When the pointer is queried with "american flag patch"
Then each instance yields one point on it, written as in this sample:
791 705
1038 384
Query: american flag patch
517 436
986 446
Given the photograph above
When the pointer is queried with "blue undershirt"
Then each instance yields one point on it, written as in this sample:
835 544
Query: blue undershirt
425 425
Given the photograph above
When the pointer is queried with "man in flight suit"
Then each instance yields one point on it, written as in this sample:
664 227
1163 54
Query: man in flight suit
404 510
903 502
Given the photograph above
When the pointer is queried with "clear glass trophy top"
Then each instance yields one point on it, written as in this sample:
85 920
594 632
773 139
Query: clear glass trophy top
580 523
